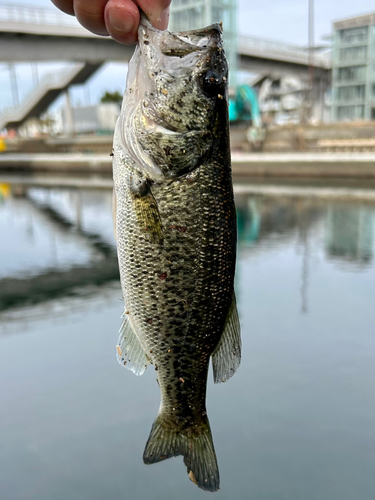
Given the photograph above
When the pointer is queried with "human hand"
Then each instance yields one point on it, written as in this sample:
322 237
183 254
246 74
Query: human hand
117 18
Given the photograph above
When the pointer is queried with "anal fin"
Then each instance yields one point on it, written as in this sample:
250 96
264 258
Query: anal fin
130 352
226 358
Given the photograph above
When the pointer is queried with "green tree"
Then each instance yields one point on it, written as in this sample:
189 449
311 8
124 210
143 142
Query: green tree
111 97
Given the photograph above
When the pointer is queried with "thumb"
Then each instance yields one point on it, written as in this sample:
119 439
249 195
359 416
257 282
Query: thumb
156 12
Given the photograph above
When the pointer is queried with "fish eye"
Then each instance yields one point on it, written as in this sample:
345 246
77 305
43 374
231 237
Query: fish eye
211 82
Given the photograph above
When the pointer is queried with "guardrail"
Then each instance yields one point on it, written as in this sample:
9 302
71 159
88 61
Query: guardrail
50 81
265 46
16 13
270 45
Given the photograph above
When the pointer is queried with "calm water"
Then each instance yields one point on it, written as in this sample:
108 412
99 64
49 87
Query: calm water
297 422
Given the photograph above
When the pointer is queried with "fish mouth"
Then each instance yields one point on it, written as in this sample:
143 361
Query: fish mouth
182 43
198 37
192 41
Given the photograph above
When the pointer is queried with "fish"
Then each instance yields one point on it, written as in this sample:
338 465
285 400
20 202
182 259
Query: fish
175 225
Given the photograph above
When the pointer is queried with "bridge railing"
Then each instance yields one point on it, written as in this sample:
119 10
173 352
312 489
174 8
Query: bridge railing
58 79
270 45
25 14
47 80
283 49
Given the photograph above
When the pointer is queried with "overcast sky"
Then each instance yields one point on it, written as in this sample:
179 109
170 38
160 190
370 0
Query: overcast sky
283 20
280 20
287 20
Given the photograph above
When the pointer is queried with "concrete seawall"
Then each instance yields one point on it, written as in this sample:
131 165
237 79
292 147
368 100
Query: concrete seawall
299 165
304 165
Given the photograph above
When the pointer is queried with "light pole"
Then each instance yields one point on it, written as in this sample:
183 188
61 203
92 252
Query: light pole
35 73
311 54
13 85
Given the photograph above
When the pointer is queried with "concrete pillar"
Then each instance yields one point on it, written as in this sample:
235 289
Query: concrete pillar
35 73
69 119
14 85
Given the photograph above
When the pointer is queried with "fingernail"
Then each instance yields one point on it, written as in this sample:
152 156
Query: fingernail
119 22
164 19
160 22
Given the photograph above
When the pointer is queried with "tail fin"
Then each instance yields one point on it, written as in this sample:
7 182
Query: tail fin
198 451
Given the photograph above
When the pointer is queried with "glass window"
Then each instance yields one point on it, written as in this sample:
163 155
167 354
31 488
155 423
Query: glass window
351 73
353 53
351 93
189 19
350 112
354 35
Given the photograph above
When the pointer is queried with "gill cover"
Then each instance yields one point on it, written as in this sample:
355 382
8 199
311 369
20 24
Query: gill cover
169 109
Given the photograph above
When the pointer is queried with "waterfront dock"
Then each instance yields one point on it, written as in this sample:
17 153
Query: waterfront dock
346 176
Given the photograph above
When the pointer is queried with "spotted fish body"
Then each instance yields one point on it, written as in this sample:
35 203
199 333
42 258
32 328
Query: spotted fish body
175 225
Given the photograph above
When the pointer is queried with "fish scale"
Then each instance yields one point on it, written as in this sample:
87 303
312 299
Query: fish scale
176 234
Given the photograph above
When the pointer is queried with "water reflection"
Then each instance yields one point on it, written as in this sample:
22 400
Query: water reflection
349 228
299 415
350 234
274 219
59 241
272 222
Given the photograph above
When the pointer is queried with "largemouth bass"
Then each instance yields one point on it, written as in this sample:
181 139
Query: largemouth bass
175 225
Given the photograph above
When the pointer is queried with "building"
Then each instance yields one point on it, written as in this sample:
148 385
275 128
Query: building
192 14
96 119
353 64
350 235
100 118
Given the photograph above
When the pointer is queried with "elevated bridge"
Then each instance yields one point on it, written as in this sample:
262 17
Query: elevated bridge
41 35
35 34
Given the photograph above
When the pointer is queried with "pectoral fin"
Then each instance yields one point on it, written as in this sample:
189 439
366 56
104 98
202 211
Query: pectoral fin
226 358
148 217
130 353
146 210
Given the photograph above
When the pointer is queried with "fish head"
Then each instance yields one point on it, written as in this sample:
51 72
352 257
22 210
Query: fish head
175 100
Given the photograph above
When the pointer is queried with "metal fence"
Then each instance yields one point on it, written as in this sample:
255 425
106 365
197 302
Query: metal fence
24 14
16 13
282 50
57 79
264 45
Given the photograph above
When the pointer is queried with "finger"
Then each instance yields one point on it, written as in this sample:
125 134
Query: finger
122 20
90 13
65 5
156 11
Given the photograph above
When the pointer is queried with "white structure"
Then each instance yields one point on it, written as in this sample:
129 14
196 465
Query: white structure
90 119
78 120
287 100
